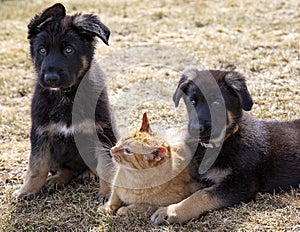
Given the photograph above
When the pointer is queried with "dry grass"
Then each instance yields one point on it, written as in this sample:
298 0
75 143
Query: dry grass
151 43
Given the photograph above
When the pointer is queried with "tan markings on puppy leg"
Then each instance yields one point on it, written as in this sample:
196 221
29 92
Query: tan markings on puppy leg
37 173
87 176
111 205
192 207
60 179
105 189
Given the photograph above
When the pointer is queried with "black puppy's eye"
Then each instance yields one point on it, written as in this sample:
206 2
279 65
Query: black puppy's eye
42 51
68 50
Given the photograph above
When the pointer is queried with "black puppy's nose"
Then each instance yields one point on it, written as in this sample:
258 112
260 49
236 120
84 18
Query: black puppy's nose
199 129
51 78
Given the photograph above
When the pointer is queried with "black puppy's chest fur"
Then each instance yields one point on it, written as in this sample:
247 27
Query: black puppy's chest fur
55 107
52 106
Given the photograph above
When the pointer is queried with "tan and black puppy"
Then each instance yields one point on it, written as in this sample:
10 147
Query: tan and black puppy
62 49
253 155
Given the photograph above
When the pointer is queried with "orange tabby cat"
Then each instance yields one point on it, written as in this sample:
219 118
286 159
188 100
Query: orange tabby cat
150 173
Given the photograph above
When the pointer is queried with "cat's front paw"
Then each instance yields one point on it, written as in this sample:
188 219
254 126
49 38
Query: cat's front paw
168 215
106 209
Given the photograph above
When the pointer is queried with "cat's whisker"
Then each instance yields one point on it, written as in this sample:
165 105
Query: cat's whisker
104 148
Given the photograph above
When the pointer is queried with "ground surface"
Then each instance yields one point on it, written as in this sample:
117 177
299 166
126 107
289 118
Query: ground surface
151 42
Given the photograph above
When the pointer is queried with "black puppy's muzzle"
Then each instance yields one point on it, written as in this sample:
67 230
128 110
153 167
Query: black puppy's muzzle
51 78
200 130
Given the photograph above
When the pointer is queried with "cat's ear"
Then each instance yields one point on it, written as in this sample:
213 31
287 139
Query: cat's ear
158 153
145 124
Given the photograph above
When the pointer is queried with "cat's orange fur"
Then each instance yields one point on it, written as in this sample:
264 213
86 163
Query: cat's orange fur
150 173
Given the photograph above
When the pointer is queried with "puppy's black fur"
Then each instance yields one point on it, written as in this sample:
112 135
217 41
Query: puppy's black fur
62 49
256 155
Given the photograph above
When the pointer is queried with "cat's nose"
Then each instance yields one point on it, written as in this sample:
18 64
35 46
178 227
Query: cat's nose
114 150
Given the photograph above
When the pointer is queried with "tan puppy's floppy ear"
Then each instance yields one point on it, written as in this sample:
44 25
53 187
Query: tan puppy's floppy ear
237 83
52 13
90 25
145 124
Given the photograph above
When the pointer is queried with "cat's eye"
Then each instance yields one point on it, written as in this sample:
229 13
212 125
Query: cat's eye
42 51
127 151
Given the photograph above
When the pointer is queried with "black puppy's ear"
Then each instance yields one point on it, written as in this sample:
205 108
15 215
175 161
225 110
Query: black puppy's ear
53 12
183 82
188 76
237 83
91 25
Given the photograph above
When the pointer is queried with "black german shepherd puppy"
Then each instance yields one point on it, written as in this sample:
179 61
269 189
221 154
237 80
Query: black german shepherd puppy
62 49
256 155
